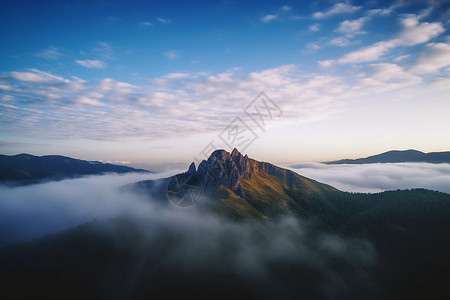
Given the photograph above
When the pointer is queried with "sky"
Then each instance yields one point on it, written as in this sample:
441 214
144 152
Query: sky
147 83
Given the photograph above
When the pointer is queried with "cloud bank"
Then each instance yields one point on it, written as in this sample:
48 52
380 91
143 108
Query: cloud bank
379 177
255 257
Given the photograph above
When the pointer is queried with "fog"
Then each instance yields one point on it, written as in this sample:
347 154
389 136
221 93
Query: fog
193 240
378 177
27 212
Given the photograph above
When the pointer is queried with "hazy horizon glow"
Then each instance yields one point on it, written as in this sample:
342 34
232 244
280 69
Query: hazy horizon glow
150 83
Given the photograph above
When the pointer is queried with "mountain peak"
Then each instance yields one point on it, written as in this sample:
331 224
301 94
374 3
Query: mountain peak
228 169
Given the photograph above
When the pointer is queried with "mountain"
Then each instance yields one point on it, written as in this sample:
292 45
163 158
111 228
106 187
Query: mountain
26 168
397 156
255 231
240 187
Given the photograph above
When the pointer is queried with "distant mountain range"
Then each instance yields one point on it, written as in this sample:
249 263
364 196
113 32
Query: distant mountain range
405 234
397 156
26 168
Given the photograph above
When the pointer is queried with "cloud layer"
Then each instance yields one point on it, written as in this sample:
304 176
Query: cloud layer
201 242
379 177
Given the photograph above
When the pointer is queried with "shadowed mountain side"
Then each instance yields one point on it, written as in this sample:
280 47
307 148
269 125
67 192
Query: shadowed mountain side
27 169
397 156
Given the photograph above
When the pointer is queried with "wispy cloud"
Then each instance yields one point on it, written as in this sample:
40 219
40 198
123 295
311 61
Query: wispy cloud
185 104
164 21
268 18
338 8
314 27
103 51
172 54
413 33
145 24
91 63
51 52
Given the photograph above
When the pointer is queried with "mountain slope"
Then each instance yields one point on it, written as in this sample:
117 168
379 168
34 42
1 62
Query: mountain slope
397 156
25 168
241 187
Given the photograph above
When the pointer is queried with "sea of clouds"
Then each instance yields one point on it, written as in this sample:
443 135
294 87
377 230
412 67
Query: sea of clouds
378 177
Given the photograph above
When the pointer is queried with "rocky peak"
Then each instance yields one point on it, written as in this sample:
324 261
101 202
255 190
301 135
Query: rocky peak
191 169
223 168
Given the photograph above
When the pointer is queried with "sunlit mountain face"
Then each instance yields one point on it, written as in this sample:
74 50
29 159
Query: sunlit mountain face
224 149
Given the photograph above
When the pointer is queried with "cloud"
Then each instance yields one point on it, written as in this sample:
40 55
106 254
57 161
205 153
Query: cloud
326 63
338 8
413 33
258 255
384 77
91 63
314 27
60 205
145 24
379 177
172 54
36 76
286 8
435 56
164 21
351 27
268 18
52 53
181 104
103 50
340 42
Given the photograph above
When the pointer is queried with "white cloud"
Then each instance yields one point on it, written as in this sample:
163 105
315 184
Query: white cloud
268 18
91 63
164 21
340 41
172 54
369 53
326 63
145 24
351 27
286 8
413 33
50 53
435 56
401 57
384 77
379 177
311 47
36 76
314 27
338 8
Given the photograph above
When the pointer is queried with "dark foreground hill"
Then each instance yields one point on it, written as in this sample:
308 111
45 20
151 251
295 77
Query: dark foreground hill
256 231
397 156
26 168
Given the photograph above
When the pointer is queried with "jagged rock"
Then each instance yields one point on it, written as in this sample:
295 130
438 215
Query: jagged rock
223 168
191 169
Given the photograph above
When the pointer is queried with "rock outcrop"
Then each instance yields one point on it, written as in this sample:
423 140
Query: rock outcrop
224 168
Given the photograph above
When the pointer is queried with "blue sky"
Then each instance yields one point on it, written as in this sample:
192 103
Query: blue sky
149 82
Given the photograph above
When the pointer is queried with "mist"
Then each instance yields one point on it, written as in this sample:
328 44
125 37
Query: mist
267 258
27 212
378 177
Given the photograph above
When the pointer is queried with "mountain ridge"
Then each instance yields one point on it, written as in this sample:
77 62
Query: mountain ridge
22 169
398 156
